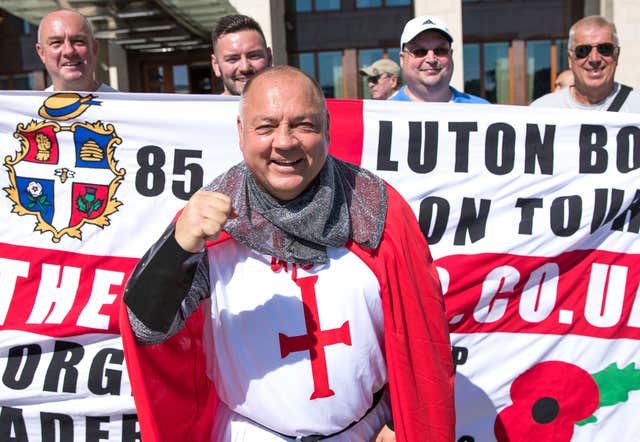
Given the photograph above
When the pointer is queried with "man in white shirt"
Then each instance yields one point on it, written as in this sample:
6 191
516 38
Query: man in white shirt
593 58
68 49
321 304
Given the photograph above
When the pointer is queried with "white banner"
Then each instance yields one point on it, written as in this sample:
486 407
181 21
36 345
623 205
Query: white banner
532 215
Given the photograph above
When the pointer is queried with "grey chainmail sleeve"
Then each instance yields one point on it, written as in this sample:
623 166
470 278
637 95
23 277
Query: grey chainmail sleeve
165 288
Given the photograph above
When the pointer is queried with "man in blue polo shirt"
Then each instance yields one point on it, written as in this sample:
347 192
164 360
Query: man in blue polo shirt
426 59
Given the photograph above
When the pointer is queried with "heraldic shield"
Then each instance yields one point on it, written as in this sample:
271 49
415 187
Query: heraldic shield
65 176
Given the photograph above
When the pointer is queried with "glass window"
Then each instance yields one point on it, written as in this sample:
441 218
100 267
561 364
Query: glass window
14 25
305 62
299 5
368 3
23 82
561 55
330 73
368 56
181 79
538 68
155 73
394 54
496 72
471 54
4 82
327 5
398 2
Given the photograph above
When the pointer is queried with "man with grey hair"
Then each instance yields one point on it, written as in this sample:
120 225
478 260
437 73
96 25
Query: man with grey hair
593 58
68 49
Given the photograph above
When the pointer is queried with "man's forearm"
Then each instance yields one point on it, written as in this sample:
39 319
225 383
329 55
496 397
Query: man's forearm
160 283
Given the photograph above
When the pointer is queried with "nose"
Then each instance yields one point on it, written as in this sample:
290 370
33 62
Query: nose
283 137
431 55
68 48
594 55
245 65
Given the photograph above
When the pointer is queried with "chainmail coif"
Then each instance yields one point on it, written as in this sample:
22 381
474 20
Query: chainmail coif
344 202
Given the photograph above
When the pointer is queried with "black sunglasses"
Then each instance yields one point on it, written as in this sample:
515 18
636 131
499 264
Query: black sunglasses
374 79
422 52
604 49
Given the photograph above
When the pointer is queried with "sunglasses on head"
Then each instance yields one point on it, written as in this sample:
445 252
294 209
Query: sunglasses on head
422 52
604 49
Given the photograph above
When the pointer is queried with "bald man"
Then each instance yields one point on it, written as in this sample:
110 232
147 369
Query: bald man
316 285
68 50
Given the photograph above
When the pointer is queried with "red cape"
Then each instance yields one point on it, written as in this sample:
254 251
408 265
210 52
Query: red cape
175 400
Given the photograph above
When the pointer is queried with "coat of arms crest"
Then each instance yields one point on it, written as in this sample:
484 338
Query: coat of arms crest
65 176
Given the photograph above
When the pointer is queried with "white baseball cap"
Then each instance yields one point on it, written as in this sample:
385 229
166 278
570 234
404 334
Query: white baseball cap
422 23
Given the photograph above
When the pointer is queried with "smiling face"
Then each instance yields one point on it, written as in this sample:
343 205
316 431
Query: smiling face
68 50
428 74
284 132
237 57
593 74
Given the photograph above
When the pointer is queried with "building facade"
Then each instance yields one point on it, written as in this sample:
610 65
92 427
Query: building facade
508 51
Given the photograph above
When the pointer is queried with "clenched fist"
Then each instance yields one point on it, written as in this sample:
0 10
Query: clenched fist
202 219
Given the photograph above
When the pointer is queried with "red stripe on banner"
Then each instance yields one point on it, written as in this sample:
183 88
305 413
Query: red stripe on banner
585 292
57 293
347 129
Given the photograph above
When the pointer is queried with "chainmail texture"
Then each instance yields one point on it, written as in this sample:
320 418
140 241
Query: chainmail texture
344 202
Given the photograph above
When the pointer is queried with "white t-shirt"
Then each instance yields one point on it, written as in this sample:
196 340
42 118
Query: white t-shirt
563 99
264 320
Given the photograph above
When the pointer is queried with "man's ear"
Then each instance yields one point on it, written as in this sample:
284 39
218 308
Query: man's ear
215 66
40 51
327 128
269 57
240 135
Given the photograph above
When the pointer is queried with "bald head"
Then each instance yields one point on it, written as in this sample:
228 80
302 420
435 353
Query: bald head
290 76
68 50
65 15
283 129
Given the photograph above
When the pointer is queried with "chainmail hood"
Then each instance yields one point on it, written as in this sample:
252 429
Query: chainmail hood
344 202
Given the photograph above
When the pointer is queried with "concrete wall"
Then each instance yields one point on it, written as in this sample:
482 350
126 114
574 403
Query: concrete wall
626 15
270 15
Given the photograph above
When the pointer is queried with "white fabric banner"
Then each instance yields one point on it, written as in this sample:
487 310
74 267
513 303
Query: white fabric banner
532 215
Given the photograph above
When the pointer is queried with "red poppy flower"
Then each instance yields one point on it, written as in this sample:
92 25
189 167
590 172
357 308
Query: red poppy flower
548 399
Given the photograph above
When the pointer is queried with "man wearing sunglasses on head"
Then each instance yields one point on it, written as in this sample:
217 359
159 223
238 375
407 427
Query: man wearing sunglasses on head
593 57
426 59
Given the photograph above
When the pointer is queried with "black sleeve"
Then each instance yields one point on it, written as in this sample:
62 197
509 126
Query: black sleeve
161 281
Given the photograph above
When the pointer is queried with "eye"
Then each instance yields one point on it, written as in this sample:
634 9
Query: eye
233 59
419 52
441 52
307 126
263 129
